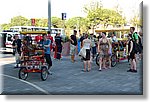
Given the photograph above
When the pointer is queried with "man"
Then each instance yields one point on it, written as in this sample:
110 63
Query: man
58 41
93 45
50 38
134 34
114 38
16 45
81 39
135 38
46 45
73 45
99 36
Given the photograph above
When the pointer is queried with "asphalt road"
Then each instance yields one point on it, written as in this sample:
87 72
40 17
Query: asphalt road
67 78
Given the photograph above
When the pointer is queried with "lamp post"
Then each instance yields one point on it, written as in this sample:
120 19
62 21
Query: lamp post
49 15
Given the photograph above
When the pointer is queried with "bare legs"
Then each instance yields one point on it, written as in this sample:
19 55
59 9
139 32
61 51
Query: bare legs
100 64
87 63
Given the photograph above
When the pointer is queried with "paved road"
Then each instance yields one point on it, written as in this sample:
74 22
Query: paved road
68 78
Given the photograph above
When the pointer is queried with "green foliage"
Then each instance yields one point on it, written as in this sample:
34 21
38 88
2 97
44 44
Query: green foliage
19 21
96 14
57 22
136 21
79 23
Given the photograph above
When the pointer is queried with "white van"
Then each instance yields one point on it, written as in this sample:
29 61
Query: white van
6 40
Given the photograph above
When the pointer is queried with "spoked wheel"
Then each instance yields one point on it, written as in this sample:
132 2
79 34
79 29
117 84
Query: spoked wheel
97 59
23 74
113 60
44 73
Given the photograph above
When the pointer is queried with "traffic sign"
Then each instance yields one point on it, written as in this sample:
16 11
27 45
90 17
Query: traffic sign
64 15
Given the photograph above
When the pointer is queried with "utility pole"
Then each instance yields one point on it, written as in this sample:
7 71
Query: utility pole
49 15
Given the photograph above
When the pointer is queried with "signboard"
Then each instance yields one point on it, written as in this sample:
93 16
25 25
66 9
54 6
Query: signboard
33 21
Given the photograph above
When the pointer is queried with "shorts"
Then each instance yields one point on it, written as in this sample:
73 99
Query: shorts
88 54
132 55
72 49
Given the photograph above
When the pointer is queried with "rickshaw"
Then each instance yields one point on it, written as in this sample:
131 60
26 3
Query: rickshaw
118 48
33 61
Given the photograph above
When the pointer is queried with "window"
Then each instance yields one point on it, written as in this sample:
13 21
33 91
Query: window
9 38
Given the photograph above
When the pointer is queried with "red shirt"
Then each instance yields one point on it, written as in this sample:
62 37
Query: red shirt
38 38
51 38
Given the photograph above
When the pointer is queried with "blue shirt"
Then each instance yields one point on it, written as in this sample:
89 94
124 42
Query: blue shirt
47 49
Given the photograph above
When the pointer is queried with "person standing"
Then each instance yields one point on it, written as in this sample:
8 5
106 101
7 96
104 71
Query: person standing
131 54
86 59
93 45
58 41
73 45
16 45
50 38
134 38
46 45
81 40
104 51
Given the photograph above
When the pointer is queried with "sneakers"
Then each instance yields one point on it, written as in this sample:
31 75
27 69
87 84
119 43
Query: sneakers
132 70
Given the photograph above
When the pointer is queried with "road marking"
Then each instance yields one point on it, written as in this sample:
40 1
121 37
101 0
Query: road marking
35 86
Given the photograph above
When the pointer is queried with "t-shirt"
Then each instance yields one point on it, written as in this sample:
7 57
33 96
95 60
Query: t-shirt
17 43
87 43
73 37
46 49
114 39
135 36
38 38
93 41
58 40
50 38
82 38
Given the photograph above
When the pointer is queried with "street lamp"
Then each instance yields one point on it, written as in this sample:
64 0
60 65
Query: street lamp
49 15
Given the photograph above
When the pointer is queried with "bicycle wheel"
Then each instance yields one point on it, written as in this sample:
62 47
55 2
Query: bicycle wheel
113 60
44 73
23 74
97 59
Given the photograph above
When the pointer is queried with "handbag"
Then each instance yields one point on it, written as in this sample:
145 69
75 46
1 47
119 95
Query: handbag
82 52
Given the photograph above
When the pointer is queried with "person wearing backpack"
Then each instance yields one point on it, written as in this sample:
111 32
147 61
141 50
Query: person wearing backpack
136 40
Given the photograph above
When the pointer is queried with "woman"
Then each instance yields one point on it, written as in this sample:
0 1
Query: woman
131 54
86 59
104 51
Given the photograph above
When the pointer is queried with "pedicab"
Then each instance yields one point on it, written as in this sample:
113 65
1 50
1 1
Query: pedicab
118 48
32 59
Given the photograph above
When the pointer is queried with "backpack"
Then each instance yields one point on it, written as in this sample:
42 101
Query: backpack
138 46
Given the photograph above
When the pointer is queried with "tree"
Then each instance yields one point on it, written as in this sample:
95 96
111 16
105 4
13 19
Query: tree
135 21
79 23
19 21
57 22
5 26
96 14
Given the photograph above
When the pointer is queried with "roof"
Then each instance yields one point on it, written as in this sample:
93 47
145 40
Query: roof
34 32
112 30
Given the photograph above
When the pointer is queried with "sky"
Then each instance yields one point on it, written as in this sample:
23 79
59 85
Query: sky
39 8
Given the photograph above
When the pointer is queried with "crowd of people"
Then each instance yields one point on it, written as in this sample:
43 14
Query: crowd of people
90 45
